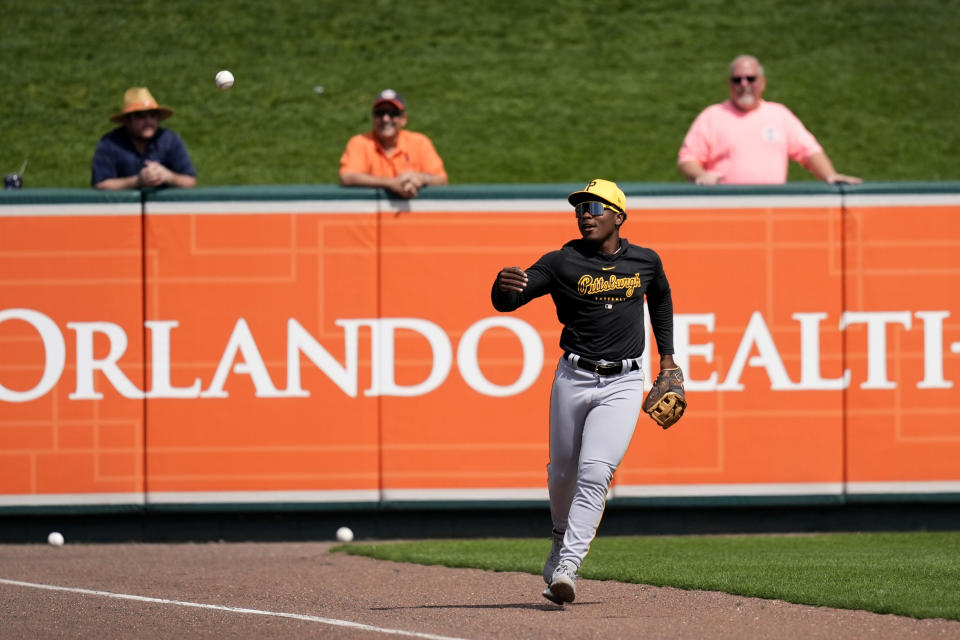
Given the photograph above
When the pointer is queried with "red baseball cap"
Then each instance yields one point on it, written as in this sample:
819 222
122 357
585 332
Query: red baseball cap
390 96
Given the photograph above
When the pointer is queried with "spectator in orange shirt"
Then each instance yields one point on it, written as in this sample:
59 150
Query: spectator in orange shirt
390 157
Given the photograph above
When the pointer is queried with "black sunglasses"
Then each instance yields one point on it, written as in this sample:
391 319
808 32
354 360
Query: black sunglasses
739 79
393 113
595 209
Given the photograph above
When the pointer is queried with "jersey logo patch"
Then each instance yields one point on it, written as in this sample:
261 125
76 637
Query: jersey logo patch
589 285
613 266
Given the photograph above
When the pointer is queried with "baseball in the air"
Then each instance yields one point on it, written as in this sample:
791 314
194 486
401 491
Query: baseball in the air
55 538
224 79
344 534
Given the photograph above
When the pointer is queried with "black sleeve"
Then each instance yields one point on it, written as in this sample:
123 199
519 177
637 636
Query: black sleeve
539 277
660 304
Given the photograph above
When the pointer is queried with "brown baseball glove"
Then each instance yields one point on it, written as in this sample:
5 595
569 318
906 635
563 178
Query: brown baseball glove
666 401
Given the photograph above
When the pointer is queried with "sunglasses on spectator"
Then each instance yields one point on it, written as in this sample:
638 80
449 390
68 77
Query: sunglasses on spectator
739 79
595 209
393 113
145 114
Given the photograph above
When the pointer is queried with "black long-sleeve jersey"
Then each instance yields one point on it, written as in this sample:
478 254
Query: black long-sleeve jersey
599 298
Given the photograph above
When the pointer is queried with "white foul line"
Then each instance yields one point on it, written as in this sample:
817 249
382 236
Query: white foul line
198 605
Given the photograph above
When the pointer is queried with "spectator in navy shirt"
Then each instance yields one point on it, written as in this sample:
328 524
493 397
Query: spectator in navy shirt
141 153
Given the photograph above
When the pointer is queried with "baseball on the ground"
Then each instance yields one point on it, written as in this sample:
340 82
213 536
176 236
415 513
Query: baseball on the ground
55 538
224 79
344 534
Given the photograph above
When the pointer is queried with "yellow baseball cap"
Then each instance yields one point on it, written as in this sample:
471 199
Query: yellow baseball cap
602 190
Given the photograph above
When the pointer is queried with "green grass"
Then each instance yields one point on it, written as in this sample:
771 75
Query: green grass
910 574
510 90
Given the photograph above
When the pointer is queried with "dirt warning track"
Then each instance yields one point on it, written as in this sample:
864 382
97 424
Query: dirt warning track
301 590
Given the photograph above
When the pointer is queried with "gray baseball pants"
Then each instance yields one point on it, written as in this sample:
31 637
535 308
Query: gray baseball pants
592 418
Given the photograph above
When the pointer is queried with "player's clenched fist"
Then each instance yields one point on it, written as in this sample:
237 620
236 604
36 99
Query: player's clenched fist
512 279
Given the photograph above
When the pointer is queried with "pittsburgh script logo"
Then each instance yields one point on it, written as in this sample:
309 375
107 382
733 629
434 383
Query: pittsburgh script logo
590 285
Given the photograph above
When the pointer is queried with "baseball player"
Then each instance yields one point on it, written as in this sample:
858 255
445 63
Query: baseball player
597 283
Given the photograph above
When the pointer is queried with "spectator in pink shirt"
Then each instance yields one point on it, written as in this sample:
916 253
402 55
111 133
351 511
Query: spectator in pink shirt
747 140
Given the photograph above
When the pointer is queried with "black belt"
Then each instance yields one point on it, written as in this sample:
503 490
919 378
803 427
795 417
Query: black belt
599 368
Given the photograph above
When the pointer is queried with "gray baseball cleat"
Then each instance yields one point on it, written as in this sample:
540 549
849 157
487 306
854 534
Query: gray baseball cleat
553 559
563 584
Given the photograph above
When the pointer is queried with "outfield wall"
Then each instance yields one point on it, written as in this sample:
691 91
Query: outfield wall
325 348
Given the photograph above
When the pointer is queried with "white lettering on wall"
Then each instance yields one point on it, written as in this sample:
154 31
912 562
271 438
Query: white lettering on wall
382 381
876 322
300 341
55 354
933 350
241 356
757 335
469 363
242 342
160 385
810 355
87 364
685 349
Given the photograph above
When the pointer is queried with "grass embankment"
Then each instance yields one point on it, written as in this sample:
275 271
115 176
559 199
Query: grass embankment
509 91
911 574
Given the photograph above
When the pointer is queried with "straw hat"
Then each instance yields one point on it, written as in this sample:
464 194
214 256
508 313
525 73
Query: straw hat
139 99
